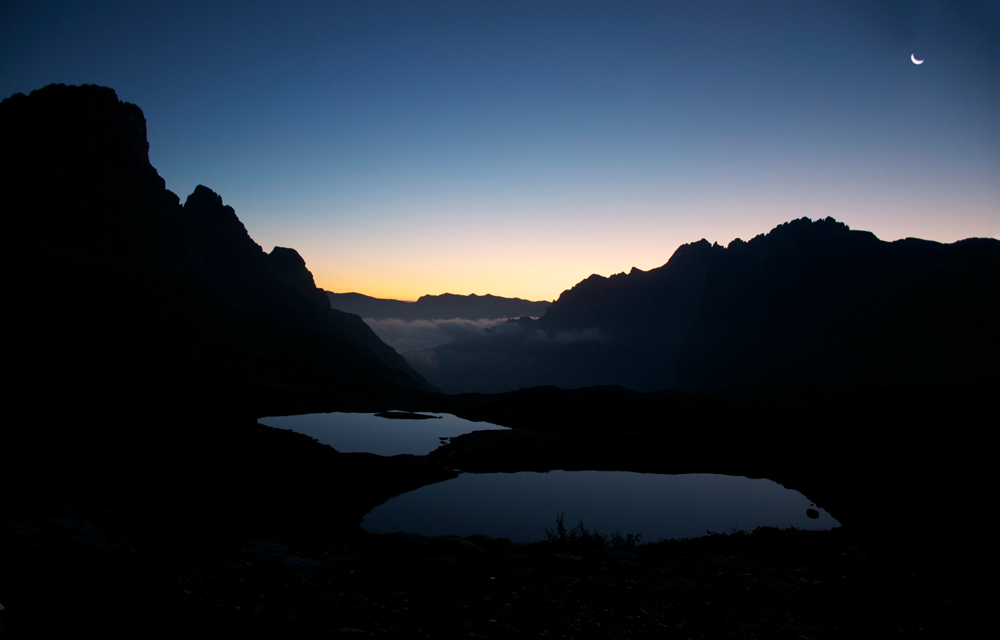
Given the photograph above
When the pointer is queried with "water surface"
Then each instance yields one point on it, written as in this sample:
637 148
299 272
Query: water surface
519 506
366 432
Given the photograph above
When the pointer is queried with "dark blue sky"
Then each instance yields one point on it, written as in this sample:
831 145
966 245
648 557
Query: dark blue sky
515 148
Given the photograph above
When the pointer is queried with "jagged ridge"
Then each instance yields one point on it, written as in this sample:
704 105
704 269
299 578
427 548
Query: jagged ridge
809 302
149 289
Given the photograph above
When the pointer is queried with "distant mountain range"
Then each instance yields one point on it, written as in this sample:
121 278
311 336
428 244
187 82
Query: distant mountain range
443 307
115 283
118 283
810 302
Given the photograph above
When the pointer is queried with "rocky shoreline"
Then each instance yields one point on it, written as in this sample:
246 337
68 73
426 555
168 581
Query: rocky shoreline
219 524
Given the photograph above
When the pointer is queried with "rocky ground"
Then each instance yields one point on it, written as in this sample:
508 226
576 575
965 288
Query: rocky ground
119 574
229 526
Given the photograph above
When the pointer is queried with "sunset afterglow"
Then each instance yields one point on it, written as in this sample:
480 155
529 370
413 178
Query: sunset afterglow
516 150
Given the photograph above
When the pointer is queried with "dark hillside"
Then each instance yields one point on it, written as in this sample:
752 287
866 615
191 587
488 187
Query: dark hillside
147 336
808 303
818 303
118 283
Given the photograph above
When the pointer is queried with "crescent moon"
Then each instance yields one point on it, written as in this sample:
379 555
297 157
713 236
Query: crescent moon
913 58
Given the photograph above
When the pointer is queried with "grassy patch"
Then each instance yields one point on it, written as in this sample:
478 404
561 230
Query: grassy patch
582 537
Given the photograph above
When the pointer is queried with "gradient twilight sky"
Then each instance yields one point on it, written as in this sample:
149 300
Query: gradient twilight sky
514 148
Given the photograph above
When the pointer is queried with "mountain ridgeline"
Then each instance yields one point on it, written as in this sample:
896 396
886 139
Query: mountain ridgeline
810 302
122 284
118 283
442 307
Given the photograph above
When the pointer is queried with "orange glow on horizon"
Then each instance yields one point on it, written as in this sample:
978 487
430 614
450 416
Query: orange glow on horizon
540 259
404 287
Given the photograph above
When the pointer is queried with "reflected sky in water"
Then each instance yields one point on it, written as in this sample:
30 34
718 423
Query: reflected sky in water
366 432
519 506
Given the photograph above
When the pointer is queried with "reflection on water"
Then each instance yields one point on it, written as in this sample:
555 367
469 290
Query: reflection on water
366 432
520 505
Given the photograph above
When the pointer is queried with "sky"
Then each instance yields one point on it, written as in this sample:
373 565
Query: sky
515 148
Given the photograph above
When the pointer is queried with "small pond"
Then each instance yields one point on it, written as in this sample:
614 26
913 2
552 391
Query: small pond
519 506
368 432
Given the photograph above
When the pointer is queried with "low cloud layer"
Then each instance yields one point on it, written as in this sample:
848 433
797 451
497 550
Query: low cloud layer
417 335
515 355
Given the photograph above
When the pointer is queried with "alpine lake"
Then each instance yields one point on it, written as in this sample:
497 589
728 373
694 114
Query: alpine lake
524 506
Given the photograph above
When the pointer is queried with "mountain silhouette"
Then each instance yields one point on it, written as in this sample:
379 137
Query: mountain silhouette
145 336
119 282
820 303
442 307
811 302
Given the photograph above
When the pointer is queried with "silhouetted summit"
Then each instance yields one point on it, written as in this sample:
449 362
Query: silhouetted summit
289 266
637 301
118 282
818 302
810 302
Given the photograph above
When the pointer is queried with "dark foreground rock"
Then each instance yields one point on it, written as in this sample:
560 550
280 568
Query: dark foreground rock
113 574
215 523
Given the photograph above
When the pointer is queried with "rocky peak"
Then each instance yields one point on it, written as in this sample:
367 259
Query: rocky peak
78 127
158 291
206 209
289 267
689 251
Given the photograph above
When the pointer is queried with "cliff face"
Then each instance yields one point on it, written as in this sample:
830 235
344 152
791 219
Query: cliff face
114 280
